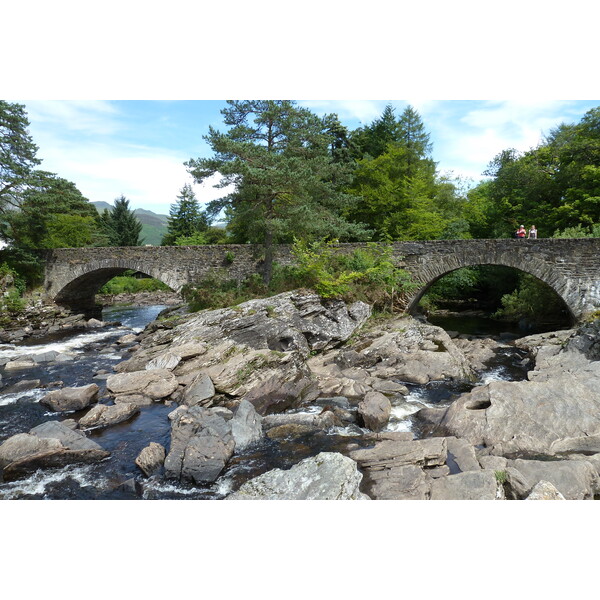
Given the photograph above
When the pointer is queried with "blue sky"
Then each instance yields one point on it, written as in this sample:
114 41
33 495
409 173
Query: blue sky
137 148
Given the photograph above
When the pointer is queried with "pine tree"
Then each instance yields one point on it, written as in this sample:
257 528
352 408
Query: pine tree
185 217
121 225
287 183
17 152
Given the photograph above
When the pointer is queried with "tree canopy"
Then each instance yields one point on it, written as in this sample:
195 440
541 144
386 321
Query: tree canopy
17 152
120 225
287 181
185 218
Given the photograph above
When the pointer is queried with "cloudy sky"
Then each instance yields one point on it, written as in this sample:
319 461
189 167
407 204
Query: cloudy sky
137 148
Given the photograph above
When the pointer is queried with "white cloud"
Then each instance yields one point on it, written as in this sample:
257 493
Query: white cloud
93 117
364 111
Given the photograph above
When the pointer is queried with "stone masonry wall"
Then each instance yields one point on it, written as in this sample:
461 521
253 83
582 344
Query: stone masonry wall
570 266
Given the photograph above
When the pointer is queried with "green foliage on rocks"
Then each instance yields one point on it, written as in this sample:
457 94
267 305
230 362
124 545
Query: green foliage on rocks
366 274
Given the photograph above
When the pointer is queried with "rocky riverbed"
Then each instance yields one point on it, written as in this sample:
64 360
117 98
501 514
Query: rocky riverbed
327 394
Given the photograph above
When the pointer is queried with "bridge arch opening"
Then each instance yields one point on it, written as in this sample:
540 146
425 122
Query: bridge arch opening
79 295
516 300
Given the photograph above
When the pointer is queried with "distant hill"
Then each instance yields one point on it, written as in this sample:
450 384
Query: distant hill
154 226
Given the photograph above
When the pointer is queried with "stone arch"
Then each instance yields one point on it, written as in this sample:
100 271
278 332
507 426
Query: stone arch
77 291
428 272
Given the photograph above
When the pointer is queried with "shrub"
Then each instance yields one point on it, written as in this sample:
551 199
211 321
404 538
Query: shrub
131 285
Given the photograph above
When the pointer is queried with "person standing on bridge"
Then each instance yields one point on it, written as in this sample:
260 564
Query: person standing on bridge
521 233
532 235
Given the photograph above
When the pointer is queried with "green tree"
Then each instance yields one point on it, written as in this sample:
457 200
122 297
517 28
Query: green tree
43 210
372 140
185 217
120 225
17 153
277 156
555 186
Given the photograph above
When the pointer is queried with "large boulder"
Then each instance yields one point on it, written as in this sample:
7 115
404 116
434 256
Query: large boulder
246 426
375 410
200 391
48 445
472 485
201 444
71 398
155 384
327 476
103 415
151 459
574 479
512 417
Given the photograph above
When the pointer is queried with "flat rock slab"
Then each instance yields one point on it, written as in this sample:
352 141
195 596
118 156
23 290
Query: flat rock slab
102 415
155 383
473 485
51 459
574 479
327 476
71 398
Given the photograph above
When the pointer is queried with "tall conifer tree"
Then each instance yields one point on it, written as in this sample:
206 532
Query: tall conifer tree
121 225
185 217
278 158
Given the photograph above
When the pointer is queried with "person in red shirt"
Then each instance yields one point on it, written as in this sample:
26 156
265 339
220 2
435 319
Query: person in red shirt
521 233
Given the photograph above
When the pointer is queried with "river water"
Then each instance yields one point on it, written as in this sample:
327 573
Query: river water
117 477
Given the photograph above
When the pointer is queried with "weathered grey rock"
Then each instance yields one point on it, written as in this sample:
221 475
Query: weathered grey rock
255 350
472 485
574 479
49 445
21 386
327 476
129 338
577 445
282 391
463 454
478 351
407 482
103 415
544 490
529 416
46 356
151 459
138 399
200 391
389 388
21 445
495 463
246 426
398 451
94 323
71 398
375 410
201 444
18 364
516 486
290 430
155 384
167 361
74 440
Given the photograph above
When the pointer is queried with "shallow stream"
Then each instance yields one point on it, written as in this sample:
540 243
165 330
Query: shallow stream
117 477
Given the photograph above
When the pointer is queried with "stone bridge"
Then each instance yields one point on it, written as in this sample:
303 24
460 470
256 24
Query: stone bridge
571 267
